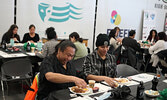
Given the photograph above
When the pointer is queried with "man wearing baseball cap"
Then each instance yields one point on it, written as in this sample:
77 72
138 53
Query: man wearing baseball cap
99 65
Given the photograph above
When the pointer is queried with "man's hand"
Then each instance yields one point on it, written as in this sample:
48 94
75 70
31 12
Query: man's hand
110 81
79 82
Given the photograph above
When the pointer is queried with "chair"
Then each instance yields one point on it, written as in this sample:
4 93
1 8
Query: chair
125 70
126 55
111 49
78 63
15 70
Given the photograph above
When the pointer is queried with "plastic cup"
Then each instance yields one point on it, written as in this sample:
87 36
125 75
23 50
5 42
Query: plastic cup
32 49
91 83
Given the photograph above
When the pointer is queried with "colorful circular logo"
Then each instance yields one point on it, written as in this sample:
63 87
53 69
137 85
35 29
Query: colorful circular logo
115 18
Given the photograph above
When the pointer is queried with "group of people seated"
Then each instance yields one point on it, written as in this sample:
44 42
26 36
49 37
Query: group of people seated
156 43
56 70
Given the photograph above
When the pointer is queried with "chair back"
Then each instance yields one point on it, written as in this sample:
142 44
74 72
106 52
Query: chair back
16 67
78 63
111 49
125 70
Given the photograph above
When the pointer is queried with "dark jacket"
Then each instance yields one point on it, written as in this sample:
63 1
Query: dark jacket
6 38
129 42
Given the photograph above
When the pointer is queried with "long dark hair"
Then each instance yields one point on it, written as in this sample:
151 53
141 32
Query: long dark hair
76 36
9 33
150 35
112 34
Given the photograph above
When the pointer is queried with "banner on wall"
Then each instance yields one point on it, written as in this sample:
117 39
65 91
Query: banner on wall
149 23
66 16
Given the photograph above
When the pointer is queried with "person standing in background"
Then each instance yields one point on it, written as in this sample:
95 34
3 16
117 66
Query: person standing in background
11 33
31 36
49 46
81 48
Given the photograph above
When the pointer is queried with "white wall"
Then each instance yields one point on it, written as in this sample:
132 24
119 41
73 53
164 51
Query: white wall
7 15
27 13
131 12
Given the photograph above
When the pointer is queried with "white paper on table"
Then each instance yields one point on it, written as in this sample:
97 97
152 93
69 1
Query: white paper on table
143 77
102 88
31 53
14 55
6 55
165 81
19 44
129 83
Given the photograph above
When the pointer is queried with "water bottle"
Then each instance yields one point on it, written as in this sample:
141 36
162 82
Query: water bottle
154 83
39 46
4 44
12 42
28 48
140 91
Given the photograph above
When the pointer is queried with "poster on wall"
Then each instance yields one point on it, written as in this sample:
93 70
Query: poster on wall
66 16
149 23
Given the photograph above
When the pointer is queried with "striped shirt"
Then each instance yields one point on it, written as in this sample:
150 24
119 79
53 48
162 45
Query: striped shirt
95 65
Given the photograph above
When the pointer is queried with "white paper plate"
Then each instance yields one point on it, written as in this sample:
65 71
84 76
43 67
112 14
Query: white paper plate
151 93
87 92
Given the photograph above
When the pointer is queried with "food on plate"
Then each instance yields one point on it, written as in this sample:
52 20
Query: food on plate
152 92
77 89
116 84
122 80
95 89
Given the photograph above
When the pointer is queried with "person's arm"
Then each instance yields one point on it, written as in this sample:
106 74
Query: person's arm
154 47
44 51
108 80
24 38
60 78
37 37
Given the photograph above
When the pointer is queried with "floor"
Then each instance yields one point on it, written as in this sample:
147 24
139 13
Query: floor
15 92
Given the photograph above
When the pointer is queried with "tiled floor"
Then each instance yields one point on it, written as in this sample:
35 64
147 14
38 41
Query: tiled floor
15 92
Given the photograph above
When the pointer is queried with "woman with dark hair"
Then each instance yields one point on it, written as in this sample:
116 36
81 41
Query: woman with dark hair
152 36
81 48
158 46
31 36
113 41
49 46
11 33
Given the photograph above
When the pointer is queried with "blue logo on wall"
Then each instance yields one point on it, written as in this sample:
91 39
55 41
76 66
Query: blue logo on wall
152 16
58 14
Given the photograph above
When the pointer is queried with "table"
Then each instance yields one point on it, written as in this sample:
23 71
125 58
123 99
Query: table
65 93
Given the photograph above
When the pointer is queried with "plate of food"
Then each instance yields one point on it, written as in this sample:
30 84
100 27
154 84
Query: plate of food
122 80
151 93
78 90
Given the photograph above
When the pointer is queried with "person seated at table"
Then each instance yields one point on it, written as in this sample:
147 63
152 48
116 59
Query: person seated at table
152 38
56 72
131 42
157 47
31 36
81 48
99 65
113 41
49 47
11 33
